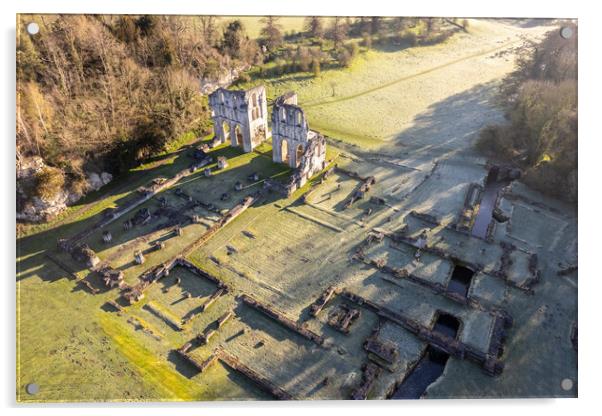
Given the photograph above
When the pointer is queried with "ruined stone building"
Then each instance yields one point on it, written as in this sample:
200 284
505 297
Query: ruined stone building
293 142
240 116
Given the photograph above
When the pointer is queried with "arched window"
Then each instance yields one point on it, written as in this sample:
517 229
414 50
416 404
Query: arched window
284 151
299 155
226 130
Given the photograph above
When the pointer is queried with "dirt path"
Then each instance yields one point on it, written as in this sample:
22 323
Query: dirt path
425 95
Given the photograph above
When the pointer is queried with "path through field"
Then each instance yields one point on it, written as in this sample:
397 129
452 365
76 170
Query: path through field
397 93
409 118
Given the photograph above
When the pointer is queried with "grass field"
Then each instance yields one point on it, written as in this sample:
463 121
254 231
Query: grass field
63 332
412 114
395 88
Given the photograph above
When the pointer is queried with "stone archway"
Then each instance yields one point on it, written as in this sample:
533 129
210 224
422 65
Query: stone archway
284 151
225 131
299 155
238 135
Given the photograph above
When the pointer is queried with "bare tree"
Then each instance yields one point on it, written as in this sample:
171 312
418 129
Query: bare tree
208 29
314 26
271 33
338 31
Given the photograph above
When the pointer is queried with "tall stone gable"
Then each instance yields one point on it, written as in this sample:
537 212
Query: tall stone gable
240 116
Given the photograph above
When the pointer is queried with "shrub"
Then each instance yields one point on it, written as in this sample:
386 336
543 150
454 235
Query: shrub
279 66
304 58
315 67
367 40
546 178
409 37
244 77
494 141
78 185
344 58
353 49
48 182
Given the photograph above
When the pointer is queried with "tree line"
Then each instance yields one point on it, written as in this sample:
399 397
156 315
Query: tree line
102 93
336 41
540 103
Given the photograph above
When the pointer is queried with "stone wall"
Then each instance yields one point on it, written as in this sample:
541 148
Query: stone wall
293 142
240 116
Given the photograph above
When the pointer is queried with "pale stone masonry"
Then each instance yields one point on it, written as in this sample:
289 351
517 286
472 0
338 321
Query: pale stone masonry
240 116
293 142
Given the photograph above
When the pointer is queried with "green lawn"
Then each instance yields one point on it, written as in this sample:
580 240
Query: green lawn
76 351
71 347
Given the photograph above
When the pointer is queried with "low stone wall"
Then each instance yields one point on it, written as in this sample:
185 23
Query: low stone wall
502 273
261 381
465 218
200 366
385 352
343 317
428 218
506 263
134 293
370 372
163 316
322 300
363 187
283 320
489 362
112 215
221 291
437 288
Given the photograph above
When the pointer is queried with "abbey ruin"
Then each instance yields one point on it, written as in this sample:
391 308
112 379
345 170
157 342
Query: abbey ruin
242 117
244 260
293 143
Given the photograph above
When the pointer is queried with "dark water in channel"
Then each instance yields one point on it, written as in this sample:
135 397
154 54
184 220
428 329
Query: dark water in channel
485 214
429 368
487 205
460 280
431 365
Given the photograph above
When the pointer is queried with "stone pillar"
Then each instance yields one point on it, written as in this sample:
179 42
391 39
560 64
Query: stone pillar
139 257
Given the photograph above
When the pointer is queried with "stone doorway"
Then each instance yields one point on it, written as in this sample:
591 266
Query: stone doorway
284 151
225 131
239 137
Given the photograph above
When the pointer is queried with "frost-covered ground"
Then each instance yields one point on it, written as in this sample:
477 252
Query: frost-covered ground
409 117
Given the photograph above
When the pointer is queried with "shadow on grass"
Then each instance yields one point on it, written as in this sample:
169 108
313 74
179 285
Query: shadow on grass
32 248
258 321
182 366
526 22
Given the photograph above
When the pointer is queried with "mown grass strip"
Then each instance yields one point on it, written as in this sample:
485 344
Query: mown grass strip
167 383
